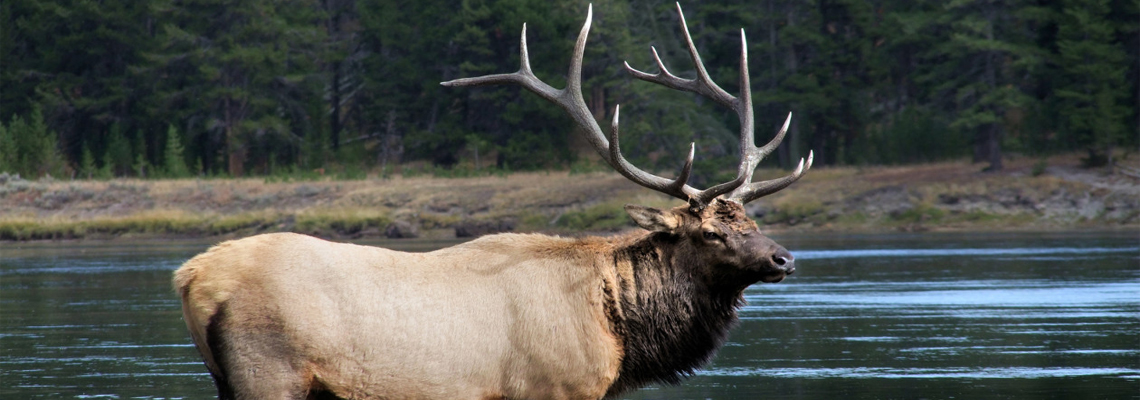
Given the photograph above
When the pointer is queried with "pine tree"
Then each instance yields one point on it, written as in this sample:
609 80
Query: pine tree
8 152
118 155
36 150
174 164
87 167
107 170
41 145
23 145
141 166
1094 67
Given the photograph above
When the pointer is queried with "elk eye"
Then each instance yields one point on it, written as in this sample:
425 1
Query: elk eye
711 236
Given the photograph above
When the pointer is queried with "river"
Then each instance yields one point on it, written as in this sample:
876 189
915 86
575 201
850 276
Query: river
906 316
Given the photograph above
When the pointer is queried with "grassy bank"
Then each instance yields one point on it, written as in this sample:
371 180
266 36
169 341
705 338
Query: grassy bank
340 222
1028 195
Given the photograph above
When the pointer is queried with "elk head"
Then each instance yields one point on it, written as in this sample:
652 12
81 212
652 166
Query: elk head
713 218
720 241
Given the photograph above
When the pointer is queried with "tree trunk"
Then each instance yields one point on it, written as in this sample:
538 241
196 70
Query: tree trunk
334 119
981 152
993 145
390 145
235 152
991 131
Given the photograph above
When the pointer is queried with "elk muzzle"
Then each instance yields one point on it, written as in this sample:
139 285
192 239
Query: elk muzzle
767 261
784 260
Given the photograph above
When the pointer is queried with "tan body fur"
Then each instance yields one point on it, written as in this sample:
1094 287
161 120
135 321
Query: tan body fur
499 317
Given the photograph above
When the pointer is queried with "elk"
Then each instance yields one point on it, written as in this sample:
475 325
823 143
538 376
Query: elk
507 316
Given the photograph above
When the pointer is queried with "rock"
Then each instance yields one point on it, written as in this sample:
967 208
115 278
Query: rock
480 228
756 210
402 230
883 201
306 191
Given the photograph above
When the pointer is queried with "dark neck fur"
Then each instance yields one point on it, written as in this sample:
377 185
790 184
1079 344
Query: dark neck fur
673 323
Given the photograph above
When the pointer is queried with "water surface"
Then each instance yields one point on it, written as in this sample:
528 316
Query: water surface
967 316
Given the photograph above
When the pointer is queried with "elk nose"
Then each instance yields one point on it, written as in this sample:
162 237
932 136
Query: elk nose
784 260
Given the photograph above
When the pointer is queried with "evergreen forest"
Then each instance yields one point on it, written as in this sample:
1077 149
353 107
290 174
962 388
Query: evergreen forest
178 88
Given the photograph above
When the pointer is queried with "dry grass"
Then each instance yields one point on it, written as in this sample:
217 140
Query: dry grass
1029 194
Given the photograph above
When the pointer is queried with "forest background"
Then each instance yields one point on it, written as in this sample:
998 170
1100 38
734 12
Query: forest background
177 88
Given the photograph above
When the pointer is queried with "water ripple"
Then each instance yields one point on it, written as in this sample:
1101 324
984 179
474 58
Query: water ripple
972 252
925 373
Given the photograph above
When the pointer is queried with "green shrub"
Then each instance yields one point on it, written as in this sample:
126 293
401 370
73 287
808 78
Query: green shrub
341 221
795 212
920 213
601 217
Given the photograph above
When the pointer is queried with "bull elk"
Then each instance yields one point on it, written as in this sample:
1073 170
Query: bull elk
509 316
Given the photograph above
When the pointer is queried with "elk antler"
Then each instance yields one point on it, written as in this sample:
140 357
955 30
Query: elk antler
570 99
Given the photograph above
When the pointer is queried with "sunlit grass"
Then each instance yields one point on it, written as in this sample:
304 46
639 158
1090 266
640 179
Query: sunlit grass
178 222
151 222
608 216
344 221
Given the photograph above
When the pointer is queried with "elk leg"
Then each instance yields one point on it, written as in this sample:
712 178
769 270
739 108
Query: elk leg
257 373
255 359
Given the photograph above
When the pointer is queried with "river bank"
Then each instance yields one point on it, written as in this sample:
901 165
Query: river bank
948 196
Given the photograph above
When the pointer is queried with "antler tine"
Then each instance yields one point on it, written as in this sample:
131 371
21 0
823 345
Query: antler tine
523 77
571 100
775 142
750 156
677 187
755 190
702 85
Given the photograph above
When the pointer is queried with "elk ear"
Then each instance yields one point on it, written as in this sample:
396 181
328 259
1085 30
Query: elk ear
652 219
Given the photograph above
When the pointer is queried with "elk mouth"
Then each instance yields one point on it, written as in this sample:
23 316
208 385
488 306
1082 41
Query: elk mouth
774 278
771 273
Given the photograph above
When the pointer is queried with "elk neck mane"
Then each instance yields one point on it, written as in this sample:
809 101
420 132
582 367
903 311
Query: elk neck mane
668 320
